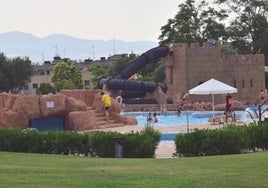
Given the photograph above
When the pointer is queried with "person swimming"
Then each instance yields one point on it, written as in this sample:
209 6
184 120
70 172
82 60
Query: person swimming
149 117
155 117
178 112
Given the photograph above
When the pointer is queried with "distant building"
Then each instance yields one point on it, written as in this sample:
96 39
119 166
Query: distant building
44 72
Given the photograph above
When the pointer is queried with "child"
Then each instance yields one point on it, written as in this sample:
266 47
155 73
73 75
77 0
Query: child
155 117
106 99
149 118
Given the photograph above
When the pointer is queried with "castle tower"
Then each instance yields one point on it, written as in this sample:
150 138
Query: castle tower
188 66
176 70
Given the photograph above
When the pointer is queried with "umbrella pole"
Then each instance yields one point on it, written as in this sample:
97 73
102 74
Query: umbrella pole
213 109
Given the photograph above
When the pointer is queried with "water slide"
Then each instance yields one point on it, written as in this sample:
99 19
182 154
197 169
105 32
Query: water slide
133 88
252 111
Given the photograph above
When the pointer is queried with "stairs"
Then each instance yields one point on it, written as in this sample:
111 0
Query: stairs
103 122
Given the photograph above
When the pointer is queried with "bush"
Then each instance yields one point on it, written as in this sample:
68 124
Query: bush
228 140
46 88
258 136
10 140
136 144
190 144
95 144
31 142
142 144
221 142
102 143
43 142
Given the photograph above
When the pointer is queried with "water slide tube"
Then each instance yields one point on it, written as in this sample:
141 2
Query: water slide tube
252 113
133 88
141 61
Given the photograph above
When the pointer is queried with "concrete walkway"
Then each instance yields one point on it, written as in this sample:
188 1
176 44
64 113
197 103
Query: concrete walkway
165 149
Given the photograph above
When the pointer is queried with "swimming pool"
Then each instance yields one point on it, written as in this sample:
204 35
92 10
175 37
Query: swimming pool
168 137
170 117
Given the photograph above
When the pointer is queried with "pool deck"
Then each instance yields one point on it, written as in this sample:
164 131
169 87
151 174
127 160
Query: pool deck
166 149
166 129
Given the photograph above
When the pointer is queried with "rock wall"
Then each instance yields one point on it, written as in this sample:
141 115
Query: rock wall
80 120
77 107
85 95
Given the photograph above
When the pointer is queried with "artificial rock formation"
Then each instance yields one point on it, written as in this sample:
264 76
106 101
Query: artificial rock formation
80 120
77 107
9 118
27 105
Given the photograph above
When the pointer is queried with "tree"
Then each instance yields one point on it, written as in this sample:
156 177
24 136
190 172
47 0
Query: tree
184 27
154 71
64 73
228 49
68 84
119 65
3 72
97 72
46 88
20 72
110 71
159 73
249 24
264 45
14 73
151 72
194 24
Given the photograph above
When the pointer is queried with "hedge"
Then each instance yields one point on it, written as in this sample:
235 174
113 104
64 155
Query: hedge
228 140
92 144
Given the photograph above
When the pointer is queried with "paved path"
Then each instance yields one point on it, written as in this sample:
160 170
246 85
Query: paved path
165 149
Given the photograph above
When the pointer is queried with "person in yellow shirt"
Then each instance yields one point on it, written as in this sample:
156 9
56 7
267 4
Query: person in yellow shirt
106 99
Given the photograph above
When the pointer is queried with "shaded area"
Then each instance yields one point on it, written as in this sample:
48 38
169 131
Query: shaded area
48 124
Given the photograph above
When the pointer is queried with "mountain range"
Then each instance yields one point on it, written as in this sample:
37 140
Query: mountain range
15 43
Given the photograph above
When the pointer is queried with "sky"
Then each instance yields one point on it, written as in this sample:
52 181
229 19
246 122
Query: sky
127 20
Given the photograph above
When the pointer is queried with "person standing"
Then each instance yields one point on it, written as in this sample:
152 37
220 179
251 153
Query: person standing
178 112
106 99
262 96
229 102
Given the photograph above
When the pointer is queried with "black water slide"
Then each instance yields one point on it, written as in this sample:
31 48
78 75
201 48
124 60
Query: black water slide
133 88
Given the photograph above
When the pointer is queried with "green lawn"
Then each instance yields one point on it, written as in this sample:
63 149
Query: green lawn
34 170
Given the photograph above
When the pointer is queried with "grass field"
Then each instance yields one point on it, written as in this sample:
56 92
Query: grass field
34 170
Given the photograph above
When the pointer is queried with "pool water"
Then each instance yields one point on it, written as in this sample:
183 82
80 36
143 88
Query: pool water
170 117
168 137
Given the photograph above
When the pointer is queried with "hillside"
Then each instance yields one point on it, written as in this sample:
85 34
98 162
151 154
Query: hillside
17 43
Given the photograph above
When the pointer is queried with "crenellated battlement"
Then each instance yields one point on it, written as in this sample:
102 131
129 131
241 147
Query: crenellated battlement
197 45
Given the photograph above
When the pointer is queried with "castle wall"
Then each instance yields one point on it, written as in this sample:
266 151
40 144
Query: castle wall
246 73
189 66
176 75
